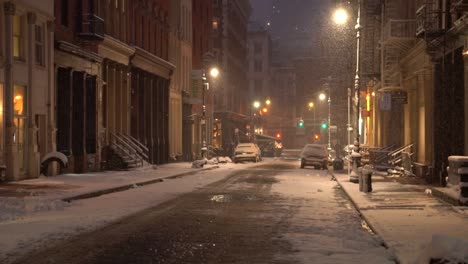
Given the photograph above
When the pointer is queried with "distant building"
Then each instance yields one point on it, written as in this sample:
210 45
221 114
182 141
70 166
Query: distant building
112 75
198 124
27 99
231 98
180 54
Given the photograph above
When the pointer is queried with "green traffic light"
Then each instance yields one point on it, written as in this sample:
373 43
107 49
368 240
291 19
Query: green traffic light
324 125
301 123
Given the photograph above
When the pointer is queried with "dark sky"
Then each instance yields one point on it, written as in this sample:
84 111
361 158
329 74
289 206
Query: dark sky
288 15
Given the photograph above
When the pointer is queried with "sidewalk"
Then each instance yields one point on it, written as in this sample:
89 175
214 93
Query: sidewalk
407 217
47 193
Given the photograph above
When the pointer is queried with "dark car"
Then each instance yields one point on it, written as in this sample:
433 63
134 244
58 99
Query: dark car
314 155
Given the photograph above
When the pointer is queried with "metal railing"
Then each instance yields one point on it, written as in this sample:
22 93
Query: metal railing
126 149
92 26
395 156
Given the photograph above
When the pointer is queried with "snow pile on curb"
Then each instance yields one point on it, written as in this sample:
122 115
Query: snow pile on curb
12 208
445 249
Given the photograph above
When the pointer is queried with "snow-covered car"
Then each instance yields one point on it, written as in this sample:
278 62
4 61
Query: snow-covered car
247 151
314 155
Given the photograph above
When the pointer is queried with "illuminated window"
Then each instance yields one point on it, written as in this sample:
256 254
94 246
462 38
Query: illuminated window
39 44
17 37
19 99
19 111
215 24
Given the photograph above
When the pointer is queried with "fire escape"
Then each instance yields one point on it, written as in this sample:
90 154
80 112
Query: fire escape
398 36
429 26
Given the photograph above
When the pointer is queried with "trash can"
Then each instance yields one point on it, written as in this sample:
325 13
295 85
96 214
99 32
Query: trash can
338 164
366 176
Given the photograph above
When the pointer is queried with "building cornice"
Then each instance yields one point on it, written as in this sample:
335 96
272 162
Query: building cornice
75 50
115 50
151 63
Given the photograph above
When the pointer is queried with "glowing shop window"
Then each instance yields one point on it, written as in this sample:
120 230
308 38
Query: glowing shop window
18 99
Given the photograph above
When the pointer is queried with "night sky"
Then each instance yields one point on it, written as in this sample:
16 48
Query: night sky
286 16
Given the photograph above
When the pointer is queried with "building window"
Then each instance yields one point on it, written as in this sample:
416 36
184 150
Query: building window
215 24
258 48
19 111
258 66
17 37
258 87
39 44
64 13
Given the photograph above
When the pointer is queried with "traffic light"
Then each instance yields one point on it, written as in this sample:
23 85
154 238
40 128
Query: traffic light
300 123
316 137
278 135
324 125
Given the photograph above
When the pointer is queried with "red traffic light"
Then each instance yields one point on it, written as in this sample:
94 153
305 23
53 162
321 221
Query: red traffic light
278 135
316 136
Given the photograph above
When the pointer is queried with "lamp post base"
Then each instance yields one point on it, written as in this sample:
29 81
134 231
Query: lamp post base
354 175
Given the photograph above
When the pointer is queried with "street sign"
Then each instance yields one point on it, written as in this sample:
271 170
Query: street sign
400 97
333 129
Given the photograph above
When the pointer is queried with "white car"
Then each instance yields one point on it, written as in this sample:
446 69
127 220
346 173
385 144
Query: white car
247 151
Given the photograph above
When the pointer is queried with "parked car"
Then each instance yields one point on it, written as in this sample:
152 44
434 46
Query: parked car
247 151
314 155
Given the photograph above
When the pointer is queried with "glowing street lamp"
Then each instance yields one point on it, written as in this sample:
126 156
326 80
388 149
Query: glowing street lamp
256 104
340 16
214 72
322 97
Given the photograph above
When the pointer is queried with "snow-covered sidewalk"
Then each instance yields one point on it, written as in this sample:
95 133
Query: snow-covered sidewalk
410 220
18 199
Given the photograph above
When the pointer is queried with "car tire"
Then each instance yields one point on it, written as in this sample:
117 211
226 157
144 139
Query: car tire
302 165
235 161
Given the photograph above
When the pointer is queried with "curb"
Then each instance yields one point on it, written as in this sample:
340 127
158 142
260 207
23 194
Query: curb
445 197
371 226
125 187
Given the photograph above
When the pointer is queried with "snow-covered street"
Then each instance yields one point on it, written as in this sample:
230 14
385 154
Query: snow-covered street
315 217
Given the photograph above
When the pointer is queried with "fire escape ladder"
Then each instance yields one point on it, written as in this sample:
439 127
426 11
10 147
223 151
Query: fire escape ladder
429 25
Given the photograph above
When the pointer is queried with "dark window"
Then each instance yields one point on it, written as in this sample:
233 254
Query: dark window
64 12
258 66
39 44
90 114
257 47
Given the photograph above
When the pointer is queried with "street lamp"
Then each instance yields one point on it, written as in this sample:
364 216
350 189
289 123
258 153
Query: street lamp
356 156
340 16
322 97
214 72
258 109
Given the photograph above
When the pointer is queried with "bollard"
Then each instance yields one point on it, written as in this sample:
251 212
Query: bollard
458 177
367 179
356 157
463 196
360 179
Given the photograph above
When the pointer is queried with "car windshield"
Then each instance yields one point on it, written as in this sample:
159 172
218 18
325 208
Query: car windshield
315 150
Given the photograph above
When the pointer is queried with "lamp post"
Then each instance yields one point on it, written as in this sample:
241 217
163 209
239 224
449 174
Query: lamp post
323 97
340 18
214 72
